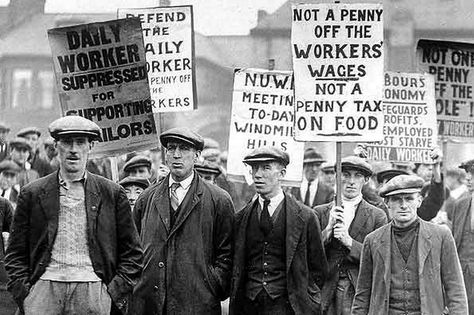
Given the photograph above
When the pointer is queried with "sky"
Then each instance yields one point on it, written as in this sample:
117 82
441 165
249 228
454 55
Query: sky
211 17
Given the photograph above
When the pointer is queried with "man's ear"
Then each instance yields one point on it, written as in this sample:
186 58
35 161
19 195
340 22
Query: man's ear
283 172
197 156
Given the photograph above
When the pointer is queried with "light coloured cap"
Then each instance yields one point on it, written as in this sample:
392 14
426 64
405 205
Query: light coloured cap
182 134
265 154
402 184
70 126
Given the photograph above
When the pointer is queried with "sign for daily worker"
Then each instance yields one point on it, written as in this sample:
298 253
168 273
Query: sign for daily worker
410 130
452 65
262 115
101 75
338 67
168 33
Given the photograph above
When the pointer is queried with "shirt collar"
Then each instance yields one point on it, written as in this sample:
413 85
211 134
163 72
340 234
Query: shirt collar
63 183
274 201
304 182
185 183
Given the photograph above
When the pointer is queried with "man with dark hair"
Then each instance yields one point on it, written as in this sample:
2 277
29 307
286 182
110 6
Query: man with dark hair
279 261
74 248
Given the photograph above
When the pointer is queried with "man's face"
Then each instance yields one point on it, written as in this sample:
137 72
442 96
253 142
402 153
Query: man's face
470 180
133 191
140 171
425 171
180 158
311 170
403 207
73 153
267 176
352 183
328 178
210 178
7 179
32 139
20 155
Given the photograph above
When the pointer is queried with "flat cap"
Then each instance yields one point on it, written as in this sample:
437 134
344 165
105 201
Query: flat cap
74 126
137 161
182 134
311 156
206 167
210 143
9 166
26 131
20 143
467 165
328 168
356 163
267 154
133 180
389 174
402 184
4 127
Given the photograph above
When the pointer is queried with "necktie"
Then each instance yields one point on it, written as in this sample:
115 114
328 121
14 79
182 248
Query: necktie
307 195
265 219
173 196
3 192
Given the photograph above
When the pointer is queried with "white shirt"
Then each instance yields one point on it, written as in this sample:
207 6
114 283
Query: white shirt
274 202
182 190
350 207
313 187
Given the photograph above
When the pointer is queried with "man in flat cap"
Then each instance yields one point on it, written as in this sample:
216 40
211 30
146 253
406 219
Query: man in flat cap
409 266
134 186
38 163
279 261
462 218
311 192
185 227
208 171
74 248
139 166
4 150
9 188
20 151
344 230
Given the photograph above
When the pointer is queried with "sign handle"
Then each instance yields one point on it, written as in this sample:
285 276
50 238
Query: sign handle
338 173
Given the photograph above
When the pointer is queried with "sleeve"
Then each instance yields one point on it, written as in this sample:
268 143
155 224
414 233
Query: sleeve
432 202
364 282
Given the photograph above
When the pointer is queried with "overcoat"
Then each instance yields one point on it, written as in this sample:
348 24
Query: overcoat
306 265
324 194
114 247
438 269
187 266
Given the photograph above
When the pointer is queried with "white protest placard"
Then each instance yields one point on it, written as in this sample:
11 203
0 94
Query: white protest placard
452 65
410 130
169 48
262 115
100 71
338 67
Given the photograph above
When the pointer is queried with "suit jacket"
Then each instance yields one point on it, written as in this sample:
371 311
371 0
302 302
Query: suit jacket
306 265
324 194
458 216
4 152
114 247
187 266
438 269
367 218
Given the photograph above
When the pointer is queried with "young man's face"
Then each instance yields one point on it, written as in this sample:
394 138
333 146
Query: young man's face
403 207
267 177
20 155
181 158
352 183
470 180
140 171
73 153
133 191
7 179
311 170
32 139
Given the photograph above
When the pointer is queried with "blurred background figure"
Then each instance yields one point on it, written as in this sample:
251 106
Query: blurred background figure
327 175
208 171
424 170
50 153
134 186
4 150
139 166
38 163
19 153
9 189
7 303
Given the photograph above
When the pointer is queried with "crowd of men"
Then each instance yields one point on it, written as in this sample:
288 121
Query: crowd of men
174 235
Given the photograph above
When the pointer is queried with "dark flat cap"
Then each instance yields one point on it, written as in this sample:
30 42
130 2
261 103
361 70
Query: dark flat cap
267 154
26 131
328 168
467 165
20 143
389 174
182 134
69 126
9 166
311 156
137 161
206 167
133 180
4 127
356 163
402 184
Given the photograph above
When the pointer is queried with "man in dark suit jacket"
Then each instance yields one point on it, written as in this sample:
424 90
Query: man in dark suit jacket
279 261
344 230
312 192
185 226
73 247
4 149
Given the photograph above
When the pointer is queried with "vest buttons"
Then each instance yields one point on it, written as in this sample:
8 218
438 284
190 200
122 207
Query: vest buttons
161 264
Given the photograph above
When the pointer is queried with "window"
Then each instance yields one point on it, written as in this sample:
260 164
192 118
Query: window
21 88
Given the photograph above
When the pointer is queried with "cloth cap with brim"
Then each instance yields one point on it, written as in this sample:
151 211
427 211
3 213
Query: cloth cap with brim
210 143
389 174
4 127
137 161
467 165
356 163
267 154
207 168
70 126
133 180
26 131
328 168
9 166
182 134
402 184
20 143
311 156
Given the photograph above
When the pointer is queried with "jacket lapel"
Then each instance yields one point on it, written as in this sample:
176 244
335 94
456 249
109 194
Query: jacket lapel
92 201
294 227
49 202
462 209
162 203
359 221
424 245
190 201
383 249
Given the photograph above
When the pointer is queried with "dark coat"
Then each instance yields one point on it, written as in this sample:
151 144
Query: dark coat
306 266
114 246
367 218
324 194
40 164
458 216
189 264
438 269
4 152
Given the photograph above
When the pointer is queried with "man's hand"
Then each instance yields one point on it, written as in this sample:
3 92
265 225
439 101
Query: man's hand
341 233
436 155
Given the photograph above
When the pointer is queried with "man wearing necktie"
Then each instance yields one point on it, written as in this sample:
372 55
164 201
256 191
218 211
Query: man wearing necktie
185 225
279 261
